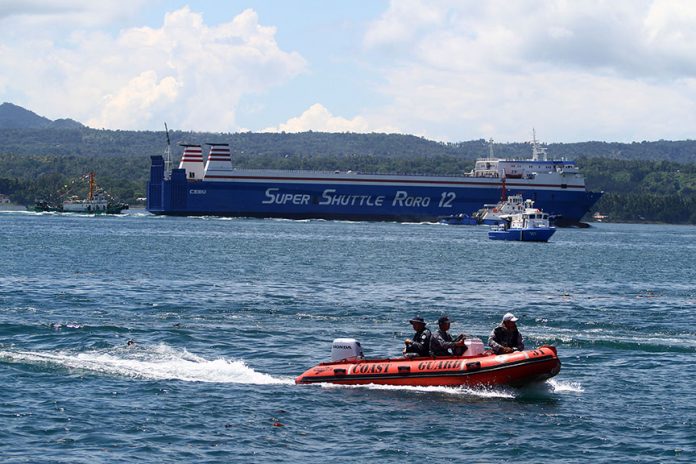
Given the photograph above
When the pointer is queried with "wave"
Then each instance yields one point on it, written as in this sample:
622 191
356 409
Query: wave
159 363
649 343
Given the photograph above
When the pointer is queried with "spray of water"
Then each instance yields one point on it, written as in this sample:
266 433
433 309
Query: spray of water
559 386
159 363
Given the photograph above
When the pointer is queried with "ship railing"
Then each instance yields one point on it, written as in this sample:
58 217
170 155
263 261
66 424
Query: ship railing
350 172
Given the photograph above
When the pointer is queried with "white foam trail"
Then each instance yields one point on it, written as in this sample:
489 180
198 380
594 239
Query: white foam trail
564 387
160 363
461 391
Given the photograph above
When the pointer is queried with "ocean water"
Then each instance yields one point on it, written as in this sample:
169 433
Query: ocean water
225 313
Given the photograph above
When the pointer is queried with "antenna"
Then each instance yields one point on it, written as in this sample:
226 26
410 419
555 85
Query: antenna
167 155
537 151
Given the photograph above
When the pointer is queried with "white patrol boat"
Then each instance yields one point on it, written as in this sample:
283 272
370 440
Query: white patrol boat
492 214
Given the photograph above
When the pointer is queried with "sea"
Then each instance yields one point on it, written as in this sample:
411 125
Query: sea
223 314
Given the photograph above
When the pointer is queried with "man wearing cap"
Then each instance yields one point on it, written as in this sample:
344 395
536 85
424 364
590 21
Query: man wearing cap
419 345
506 338
442 342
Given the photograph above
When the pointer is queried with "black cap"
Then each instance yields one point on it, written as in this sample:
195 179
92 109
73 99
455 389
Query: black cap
418 319
443 319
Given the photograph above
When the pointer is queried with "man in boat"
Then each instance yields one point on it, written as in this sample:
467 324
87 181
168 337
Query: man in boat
442 343
419 344
506 338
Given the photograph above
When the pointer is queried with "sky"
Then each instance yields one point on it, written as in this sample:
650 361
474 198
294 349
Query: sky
446 70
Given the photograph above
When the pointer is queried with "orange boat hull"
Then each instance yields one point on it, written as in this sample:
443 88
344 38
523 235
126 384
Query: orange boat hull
514 369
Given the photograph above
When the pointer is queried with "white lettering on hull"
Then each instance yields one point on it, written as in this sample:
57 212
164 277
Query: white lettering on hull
329 197
402 198
273 197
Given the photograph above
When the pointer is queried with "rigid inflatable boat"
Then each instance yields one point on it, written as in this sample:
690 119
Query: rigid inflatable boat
475 368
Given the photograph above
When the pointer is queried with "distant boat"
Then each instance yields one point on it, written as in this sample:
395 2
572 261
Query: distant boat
598 217
532 225
460 219
97 202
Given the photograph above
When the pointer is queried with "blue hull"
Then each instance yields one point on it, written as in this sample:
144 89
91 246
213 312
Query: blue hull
523 235
459 221
405 200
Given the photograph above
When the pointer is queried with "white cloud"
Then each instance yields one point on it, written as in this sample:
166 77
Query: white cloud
617 70
143 95
185 72
402 22
69 12
318 118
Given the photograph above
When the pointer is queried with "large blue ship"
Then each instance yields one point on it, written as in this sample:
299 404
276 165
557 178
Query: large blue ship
214 187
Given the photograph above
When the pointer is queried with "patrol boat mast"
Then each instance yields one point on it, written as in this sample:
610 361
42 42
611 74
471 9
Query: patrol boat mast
167 155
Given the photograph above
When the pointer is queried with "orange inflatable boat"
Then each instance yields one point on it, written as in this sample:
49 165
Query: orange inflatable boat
480 369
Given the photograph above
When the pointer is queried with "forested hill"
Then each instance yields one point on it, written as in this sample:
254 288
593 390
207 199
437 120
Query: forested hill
94 143
646 181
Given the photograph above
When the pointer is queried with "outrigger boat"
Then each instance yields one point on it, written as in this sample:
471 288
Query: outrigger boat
476 368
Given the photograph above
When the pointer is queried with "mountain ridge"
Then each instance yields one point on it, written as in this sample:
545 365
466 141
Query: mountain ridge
16 117
27 133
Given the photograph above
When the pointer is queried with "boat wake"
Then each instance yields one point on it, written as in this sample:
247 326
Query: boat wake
550 387
499 392
159 363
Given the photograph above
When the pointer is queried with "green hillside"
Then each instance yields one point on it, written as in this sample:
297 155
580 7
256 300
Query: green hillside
647 181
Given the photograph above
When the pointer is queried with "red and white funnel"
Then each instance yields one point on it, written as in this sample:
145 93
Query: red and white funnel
218 159
192 161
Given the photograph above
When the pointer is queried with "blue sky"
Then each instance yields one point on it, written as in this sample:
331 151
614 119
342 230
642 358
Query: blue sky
448 70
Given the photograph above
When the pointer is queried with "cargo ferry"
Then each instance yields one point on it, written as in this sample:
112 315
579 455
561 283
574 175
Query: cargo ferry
215 187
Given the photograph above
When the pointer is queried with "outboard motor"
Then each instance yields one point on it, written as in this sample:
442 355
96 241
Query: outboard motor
346 349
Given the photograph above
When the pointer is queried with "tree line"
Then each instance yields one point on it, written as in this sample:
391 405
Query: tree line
647 181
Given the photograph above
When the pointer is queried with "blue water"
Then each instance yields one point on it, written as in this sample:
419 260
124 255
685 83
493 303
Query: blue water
226 312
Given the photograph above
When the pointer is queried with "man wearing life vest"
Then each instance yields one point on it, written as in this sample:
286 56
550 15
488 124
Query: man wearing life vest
442 343
506 338
419 345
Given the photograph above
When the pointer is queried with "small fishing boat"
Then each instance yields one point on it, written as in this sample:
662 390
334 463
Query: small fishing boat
532 225
475 368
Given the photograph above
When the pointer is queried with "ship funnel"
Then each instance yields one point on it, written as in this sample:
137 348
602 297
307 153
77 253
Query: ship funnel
192 161
218 159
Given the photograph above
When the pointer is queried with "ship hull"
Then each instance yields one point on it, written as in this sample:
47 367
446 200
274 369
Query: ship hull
308 195
541 234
